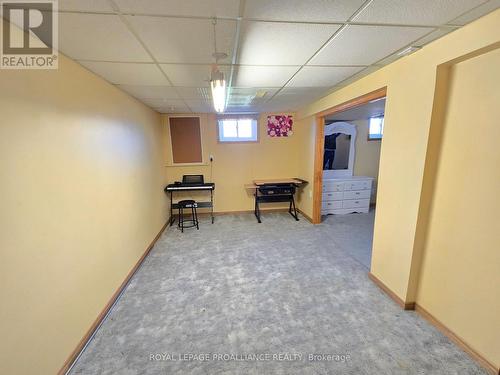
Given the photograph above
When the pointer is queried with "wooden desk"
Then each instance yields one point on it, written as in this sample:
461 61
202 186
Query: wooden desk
275 190
296 181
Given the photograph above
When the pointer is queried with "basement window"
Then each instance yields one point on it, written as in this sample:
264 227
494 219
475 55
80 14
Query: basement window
237 129
376 128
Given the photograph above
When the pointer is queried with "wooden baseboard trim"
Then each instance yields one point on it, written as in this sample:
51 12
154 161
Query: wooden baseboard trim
440 326
306 216
488 366
97 322
404 305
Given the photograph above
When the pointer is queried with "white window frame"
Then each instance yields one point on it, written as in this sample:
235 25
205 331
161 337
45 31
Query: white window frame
255 129
375 136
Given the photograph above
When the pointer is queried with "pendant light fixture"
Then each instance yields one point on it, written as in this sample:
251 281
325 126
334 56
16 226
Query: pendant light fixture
218 86
217 79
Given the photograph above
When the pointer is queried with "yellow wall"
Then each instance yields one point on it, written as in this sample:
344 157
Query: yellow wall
306 132
367 154
81 197
413 95
237 164
460 277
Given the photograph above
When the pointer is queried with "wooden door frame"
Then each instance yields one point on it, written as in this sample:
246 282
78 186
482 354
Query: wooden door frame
320 143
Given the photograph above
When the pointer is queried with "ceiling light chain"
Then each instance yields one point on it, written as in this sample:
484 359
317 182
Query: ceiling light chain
214 23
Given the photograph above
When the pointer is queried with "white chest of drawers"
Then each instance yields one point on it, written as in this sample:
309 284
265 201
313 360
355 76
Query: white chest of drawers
346 195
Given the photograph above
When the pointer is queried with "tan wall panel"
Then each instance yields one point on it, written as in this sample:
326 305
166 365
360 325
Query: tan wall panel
460 278
81 191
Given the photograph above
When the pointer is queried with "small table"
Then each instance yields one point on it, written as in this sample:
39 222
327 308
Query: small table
276 190
209 186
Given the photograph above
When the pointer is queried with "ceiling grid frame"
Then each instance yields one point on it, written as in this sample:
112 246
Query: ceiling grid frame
129 26
112 7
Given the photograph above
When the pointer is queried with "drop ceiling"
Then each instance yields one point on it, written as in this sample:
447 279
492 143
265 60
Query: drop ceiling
281 55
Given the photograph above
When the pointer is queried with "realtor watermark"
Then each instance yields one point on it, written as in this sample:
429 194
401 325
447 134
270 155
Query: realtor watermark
29 34
250 357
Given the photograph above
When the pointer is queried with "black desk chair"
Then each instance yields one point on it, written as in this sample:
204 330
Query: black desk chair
188 203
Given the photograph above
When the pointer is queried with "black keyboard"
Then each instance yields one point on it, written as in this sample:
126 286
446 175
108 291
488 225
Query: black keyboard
205 186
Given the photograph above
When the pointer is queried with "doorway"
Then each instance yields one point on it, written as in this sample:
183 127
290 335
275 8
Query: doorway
348 144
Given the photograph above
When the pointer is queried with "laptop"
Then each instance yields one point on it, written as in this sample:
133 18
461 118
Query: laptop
193 179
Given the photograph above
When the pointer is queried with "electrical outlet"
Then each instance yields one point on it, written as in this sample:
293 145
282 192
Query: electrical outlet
310 194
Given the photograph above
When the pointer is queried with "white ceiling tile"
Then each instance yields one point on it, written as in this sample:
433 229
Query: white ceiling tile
389 59
260 91
167 106
281 106
200 106
98 37
250 96
412 12
191 75
322 76
434 35
85 6
242 109
172 109
300 93
150 92
300 10
273 43
364 45
197 8
476 13
249 99
291 98
183 40
275 108
262 76
200 93
163 102
359 75
128 73
240 100
438 33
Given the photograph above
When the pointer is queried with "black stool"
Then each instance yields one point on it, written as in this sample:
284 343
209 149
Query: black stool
188 203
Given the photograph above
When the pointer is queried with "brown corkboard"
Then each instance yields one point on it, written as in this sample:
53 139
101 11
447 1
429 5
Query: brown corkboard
185 137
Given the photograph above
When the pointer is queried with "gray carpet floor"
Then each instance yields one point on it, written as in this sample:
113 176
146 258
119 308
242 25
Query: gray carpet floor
281 297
